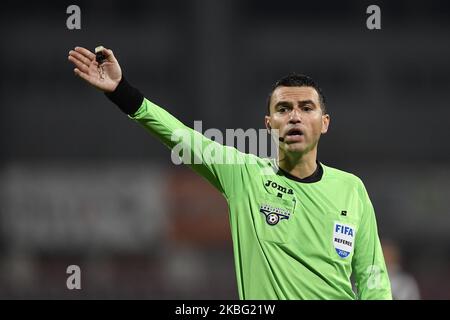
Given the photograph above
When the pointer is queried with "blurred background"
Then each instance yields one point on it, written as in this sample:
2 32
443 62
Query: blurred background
80 184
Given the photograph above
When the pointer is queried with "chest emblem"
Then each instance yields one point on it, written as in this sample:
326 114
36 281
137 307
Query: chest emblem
273 214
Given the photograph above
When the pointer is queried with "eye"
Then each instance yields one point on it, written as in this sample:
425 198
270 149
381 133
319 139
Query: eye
307 108
283 109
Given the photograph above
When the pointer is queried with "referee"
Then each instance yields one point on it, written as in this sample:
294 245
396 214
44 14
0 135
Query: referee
298 233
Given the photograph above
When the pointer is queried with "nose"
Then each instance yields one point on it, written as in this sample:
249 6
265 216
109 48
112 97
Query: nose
294 116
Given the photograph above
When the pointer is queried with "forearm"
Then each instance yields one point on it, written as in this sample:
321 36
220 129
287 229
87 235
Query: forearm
154 119
126 97
185 142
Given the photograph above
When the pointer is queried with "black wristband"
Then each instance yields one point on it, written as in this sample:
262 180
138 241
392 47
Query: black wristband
126 97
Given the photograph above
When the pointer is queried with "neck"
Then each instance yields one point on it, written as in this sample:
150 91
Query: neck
299 165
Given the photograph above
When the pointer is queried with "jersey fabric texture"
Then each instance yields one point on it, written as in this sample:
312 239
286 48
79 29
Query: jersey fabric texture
291 239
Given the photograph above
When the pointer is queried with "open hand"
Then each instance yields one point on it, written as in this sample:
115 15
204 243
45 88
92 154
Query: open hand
104 77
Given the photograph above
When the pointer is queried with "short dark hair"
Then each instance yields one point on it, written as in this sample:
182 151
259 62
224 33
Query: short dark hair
298 80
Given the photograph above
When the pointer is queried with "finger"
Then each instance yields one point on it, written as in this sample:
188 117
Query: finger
85 52
80 57
79 64
83 75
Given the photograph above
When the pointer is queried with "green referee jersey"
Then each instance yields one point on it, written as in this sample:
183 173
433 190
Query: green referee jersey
291 240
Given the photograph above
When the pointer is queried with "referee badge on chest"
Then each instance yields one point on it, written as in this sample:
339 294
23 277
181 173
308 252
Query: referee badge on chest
273 214
343 239
274 218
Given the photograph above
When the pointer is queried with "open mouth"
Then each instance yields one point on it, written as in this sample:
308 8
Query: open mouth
294 132
293 135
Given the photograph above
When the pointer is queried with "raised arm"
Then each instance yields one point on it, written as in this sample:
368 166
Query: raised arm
108 78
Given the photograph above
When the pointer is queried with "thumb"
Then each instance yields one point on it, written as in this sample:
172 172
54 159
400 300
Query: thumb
109 55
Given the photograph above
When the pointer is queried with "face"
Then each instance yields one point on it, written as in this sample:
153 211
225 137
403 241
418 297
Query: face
296 113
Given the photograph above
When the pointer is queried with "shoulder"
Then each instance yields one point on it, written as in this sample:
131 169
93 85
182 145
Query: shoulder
252 159
342 176
346 182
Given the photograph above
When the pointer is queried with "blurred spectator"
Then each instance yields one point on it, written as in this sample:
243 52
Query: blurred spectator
404 285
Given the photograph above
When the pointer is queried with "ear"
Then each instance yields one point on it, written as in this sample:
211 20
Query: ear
267 123
325 123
